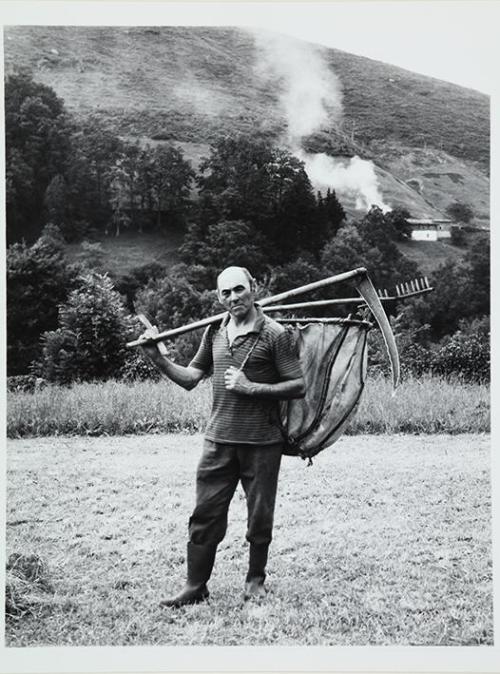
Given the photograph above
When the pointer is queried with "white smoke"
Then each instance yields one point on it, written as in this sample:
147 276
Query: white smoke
355 178
310 93
311 99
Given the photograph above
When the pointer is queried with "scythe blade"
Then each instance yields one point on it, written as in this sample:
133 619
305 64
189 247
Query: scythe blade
369 294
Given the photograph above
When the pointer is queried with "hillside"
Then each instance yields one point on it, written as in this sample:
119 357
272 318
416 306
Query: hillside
428 139
192 83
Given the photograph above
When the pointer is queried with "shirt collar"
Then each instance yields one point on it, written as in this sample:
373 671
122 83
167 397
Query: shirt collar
257 326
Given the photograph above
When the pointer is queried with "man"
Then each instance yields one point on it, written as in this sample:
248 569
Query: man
254 367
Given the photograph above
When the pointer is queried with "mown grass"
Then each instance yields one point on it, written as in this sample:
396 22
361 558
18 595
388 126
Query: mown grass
385 540
426 405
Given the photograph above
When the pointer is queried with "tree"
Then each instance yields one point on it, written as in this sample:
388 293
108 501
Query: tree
478 261
95 150
236 177
378 232
249 180
458 237
38 147
89 343
225 243
138 277
56 202
38 280
397 223
293 274
460 211
169 176
125 183
462 291
330 212
348 250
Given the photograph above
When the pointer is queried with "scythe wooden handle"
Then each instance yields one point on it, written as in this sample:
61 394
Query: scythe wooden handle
280 297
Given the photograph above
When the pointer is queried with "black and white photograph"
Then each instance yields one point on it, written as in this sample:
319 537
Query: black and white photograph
247 336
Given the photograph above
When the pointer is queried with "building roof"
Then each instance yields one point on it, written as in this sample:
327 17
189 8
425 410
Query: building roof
429 221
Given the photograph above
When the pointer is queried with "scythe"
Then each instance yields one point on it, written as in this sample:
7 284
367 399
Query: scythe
332 353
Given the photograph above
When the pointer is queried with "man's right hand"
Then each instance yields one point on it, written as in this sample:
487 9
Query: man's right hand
152 350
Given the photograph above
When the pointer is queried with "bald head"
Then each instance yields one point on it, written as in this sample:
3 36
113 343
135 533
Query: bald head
236 292
232 276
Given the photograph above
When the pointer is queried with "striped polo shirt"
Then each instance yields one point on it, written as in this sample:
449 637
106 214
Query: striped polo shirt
236 417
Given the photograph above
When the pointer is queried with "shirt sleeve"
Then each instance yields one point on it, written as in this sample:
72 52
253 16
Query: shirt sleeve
203 359
286 356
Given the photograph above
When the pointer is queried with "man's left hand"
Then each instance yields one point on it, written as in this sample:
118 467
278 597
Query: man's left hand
236 380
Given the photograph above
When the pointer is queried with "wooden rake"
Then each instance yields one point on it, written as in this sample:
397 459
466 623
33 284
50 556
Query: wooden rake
363 284
412 288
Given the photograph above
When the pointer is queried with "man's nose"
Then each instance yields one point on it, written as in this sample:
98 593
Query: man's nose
234 296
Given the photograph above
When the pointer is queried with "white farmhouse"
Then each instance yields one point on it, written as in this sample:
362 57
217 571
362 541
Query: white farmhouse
430 229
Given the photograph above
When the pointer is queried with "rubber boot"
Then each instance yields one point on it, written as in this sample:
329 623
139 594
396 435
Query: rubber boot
200 562
254 585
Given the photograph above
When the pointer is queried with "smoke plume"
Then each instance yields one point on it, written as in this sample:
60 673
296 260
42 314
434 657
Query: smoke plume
354 178
311 100
310 93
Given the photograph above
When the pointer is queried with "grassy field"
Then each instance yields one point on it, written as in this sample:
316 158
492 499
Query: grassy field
199 81
384 540
424 405
129 250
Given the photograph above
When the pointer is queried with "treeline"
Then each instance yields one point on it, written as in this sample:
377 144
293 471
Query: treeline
254 206
70 322
85 180
80 176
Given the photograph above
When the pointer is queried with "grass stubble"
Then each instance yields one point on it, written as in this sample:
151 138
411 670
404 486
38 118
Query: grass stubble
384 540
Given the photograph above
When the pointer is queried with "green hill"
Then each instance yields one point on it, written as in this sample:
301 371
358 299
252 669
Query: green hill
428 139
191 83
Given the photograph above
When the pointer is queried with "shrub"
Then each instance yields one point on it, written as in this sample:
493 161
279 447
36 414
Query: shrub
465 353
138 368
129 284
458 237
38 280
460 211
90 340
25 382
412 342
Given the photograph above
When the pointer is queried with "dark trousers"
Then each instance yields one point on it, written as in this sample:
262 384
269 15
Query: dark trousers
220 469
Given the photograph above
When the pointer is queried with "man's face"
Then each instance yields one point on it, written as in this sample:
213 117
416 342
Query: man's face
235 292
